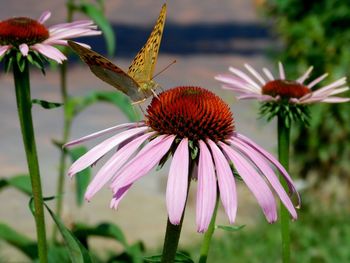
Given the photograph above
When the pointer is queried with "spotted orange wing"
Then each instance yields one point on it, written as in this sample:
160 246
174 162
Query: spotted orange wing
142 67
109 72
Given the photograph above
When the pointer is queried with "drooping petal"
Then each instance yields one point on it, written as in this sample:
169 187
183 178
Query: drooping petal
118 196
103 132
254 181
176 191
111 167
50 52
273 160
326 89
101 149
44 17
259 97
226 182
143 162
336 100
266 170
24 49
206 189
3 49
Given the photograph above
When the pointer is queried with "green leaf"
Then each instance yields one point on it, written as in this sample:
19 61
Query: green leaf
83 231
180 257
96 14
230 228
47 104
77 252
21 242
20 182
83 177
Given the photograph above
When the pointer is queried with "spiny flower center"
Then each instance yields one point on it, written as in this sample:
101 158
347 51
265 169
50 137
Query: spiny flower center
20 30
191 112
285 89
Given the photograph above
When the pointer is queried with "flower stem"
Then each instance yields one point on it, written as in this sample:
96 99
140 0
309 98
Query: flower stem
24 107
67 123
283 156
62 163
172 234
208 235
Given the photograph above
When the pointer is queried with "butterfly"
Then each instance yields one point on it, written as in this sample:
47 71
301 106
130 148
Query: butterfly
138 82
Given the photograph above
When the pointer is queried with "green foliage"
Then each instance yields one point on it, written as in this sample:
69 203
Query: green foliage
20 182
317 33
47 104
96 13
316 238
180 257
230 228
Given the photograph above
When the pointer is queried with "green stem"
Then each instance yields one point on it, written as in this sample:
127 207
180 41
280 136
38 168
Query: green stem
172 234
208 235
283 156
24 107
67 123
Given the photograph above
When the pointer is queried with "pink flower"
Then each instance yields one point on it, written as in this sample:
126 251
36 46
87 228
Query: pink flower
268 88
26 34
196 128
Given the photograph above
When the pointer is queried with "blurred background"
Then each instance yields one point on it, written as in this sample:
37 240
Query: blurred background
205 37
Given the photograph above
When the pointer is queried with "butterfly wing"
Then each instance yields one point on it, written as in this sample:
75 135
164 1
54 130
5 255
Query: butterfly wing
108 72
142 67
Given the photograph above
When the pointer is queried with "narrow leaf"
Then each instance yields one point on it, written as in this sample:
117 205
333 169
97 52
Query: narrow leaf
47 104
230 228
20 182
77 252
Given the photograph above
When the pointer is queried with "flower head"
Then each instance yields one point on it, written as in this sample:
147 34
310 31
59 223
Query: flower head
197 128
26 35
270 89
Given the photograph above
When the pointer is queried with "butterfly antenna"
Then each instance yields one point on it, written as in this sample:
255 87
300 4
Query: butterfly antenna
164 69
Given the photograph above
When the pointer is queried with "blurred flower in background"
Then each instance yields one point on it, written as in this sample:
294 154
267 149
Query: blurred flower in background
26 34
197 128
269 88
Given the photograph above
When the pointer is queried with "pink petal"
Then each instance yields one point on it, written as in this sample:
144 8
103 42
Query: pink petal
44 17
111 167
254 182
24 49
245 77
237 83
50 52
206 189
101 149
268 74
103 132
281 70
266 170
226 182
273 160
72 33
75 24
255 74
4 49
143 162
336 100
176 191
117 197
305 75
316 81
259 97
327 89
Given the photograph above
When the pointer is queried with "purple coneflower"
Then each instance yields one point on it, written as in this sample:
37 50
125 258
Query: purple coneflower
197 128
268 88
26 34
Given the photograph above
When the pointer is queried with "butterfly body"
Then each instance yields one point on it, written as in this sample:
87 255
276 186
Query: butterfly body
138 82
